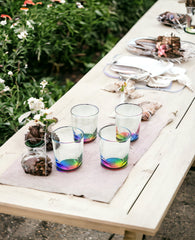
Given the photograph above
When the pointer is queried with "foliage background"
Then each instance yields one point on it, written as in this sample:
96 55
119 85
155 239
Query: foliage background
60 40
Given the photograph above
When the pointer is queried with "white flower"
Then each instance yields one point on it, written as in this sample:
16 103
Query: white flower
14 24
35 104
62 1
10 73
29 24
43 83
6 89
37 117
4 22
79 5
26 66
48 113
22 34
1 80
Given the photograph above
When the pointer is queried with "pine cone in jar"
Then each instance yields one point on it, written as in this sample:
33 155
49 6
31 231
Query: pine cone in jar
35 133
37 165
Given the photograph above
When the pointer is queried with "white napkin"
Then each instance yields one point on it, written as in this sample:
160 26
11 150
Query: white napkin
157 73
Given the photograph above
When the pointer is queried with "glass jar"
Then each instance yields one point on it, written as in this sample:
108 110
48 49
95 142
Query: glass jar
35 160
190 8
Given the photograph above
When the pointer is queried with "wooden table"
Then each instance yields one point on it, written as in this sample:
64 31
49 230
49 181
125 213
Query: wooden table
141 204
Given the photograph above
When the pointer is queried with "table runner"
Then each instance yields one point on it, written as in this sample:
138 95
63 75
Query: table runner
91 180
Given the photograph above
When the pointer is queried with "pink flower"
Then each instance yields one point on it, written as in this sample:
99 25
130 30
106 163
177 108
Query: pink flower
28 2
6 16
162 50
24 9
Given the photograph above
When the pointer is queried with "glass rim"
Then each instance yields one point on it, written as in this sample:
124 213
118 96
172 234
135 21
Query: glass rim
85 104
68 142
132 104
113 125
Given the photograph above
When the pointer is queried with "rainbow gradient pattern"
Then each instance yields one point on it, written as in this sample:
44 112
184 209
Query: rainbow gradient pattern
114 163
78 137
135 136
68 164
89 137
122 136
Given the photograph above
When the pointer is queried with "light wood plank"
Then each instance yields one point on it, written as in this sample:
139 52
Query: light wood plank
144 193
161 190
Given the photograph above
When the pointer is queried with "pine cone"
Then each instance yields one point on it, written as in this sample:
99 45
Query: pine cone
36 132
38 166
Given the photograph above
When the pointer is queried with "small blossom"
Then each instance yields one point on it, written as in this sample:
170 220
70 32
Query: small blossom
28 2
40 3
6 16
26 66
29 24
47 113
1 80
62 1
10 73
79 5
43 83
49 5
4 22
37 117
24 9
14 24
35 104
6 88
22 34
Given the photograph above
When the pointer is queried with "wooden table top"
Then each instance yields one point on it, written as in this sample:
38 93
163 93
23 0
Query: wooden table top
142 202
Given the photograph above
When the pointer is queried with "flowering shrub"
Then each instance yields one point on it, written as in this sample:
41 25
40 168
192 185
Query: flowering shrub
51 36
48 39
3 87
38 112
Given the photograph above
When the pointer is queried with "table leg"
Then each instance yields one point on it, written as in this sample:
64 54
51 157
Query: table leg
133 236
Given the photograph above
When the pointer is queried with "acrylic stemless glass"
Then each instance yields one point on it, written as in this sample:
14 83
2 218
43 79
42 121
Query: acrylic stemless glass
114 146
68 147
129 115
85 117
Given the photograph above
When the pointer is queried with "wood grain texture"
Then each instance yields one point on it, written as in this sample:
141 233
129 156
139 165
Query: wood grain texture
144 199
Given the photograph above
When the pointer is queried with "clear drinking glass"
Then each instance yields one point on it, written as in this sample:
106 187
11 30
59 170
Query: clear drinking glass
129 115
190 27
114 146
85 117
68 147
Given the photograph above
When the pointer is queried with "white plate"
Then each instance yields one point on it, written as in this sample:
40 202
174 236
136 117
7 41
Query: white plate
152 66
188 47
